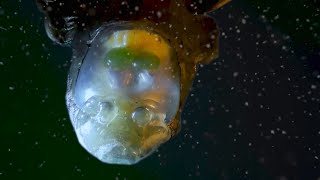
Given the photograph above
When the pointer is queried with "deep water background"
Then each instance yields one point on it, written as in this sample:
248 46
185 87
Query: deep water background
253 113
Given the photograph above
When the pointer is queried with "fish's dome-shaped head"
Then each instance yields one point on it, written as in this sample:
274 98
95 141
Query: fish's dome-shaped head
124 93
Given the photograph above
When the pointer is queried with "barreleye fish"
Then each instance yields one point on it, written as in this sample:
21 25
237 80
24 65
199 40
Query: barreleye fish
132 67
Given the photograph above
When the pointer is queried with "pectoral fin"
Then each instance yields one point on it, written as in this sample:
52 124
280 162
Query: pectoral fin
201 7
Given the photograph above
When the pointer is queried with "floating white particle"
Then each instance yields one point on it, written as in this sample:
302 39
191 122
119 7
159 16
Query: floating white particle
1 12
235 74
159 14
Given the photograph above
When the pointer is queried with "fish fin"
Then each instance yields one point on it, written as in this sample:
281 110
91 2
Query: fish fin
204 6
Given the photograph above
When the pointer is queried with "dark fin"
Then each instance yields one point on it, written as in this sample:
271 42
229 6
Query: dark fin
203 6
208 40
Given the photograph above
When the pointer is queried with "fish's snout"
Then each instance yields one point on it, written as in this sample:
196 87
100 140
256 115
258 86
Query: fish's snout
119 132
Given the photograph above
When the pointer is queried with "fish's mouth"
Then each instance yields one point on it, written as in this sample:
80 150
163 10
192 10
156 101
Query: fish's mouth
120 132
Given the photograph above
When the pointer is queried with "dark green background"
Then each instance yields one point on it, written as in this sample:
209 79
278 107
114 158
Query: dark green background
233 121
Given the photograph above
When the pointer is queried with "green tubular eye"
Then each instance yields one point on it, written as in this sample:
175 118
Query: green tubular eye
124 58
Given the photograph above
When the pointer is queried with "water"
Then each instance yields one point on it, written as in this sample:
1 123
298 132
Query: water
252 114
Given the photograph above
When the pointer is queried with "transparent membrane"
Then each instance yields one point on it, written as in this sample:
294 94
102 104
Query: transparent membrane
124 93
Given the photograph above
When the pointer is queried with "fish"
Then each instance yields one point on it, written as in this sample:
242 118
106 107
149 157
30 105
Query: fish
132 68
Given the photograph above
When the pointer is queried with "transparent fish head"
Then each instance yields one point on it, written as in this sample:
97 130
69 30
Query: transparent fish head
123 94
